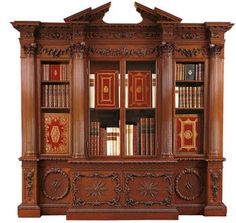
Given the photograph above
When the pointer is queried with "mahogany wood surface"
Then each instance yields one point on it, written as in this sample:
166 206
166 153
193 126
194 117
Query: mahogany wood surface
162 186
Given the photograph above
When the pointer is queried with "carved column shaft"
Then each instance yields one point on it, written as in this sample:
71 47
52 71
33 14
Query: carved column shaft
166 101
28 94
215 103
78 108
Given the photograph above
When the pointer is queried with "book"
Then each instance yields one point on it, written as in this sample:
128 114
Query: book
154 90
139 89
55 96
55 72
187 133
189 97
55 133
189 71
106 89
92 90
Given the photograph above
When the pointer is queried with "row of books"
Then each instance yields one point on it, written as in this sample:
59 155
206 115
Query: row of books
140 138
55 95
104 141
189 71
54 72
189 97
140 89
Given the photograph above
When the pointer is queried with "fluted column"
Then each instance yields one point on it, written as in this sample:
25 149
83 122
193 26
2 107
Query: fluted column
78 101
166 98
28 95
215 104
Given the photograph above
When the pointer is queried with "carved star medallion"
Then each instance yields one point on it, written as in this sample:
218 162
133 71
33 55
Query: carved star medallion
97 189
148 189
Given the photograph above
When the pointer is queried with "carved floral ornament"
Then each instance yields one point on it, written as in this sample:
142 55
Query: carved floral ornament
163 47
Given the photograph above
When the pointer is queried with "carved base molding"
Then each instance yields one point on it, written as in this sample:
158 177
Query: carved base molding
219 210
25 211
122 214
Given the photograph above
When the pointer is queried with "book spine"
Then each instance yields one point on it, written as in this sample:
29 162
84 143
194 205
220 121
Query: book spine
154 88
67 96
147 138
92 90
126 91
176 97
142 136
152 136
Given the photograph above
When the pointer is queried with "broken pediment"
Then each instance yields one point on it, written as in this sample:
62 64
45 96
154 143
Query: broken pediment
89 14
155 15
148 15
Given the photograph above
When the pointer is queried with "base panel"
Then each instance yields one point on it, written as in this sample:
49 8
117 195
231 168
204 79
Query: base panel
215 210
29 211
122 214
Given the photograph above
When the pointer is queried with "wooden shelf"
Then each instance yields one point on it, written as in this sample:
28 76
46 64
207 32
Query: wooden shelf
64 109
55 82
186 109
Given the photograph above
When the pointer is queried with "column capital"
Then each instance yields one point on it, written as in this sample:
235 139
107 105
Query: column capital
166 48
30 49
215 50
79 48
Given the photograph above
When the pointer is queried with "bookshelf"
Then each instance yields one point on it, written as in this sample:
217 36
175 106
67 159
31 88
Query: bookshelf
122 121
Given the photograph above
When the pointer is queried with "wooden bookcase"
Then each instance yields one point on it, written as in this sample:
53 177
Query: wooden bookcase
122 121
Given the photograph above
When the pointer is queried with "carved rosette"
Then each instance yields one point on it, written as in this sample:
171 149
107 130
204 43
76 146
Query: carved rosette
215 184
55 184
96 189
188 184
29 181
148 189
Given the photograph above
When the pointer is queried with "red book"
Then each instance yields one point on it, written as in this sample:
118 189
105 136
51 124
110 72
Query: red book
55 72
187 133
139 89
56 133
106 89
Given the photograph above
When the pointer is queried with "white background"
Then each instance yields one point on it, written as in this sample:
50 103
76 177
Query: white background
120 11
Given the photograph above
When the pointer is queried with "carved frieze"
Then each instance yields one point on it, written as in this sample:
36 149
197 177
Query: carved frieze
188 184
55 33
123 51
148 189
192 52
96 189
55 184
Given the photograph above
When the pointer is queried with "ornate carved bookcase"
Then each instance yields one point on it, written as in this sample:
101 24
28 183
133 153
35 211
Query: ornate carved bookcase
167 156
